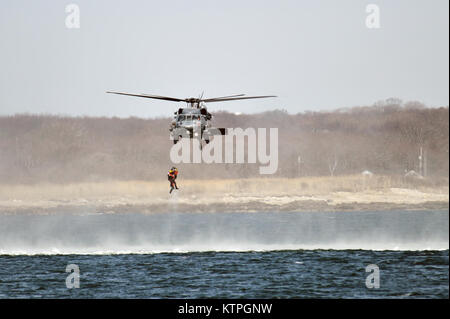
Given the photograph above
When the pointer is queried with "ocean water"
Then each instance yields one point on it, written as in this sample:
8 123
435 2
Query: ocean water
230 255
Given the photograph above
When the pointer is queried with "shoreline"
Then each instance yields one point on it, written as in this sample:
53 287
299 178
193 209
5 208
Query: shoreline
252 207
348 193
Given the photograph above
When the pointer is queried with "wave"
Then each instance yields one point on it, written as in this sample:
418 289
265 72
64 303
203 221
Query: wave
194 249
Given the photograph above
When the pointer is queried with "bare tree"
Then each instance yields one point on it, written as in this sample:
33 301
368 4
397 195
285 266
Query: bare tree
332 164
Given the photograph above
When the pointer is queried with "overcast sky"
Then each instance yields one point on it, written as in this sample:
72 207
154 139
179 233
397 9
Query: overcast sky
315 55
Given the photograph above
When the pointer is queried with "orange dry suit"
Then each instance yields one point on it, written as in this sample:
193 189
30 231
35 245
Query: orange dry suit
172 176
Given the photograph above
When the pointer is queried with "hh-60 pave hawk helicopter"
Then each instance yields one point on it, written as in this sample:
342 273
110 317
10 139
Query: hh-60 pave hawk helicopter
194 119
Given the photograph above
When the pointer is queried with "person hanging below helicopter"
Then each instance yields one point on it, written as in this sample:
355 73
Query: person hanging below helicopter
172 176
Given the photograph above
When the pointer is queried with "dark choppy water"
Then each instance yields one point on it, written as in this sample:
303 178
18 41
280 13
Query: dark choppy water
264 255
274 274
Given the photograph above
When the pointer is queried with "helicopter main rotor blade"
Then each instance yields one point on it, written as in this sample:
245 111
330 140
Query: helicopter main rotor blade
194 100
158 97
237 98
223 97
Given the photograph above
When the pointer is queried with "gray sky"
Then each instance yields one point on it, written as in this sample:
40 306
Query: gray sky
315 55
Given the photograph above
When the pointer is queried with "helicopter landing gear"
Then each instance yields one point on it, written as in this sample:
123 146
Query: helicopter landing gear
175 140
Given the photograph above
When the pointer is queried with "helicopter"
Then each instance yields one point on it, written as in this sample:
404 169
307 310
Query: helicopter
194 119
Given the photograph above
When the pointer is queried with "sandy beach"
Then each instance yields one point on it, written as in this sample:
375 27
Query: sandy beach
349 193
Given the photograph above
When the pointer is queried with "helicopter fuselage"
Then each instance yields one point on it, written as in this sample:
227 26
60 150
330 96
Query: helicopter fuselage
191 123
